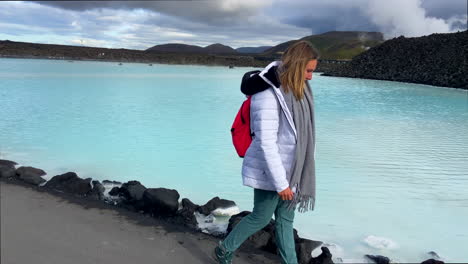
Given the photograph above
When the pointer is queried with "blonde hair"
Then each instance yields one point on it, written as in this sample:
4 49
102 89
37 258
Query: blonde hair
292 71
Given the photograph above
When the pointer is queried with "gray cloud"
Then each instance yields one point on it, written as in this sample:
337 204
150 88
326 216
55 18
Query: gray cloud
211 12
426 16
325 16
445 9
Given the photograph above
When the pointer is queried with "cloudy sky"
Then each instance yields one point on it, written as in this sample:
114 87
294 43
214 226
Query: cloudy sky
237 23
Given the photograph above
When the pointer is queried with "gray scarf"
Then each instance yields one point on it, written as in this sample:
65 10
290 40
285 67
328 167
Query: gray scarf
303 168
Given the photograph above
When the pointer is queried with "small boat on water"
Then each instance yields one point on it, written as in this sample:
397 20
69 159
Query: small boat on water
120 63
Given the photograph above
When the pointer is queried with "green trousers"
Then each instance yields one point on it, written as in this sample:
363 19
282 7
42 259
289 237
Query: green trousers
266 203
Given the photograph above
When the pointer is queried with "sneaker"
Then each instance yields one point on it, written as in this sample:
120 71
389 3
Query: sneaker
221 255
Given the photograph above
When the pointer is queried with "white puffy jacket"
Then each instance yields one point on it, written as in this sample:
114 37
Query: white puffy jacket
267 163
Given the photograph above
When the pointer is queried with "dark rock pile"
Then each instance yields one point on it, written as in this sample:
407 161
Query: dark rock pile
265 239
437 59
31 175
70 183
164 203
7 169
379 259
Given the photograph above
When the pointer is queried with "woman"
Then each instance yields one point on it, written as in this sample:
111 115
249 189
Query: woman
280 162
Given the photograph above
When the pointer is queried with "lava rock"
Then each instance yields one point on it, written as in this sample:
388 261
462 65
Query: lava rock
186 215
131 195
214 204
161 201
114 191
111 182
8 163
432 261
31 175
189 205
378 259
324 258
7 172
132 191
97 192
414 60
7 168
304 248
70 183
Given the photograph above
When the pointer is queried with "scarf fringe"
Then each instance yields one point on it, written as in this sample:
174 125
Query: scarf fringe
304 203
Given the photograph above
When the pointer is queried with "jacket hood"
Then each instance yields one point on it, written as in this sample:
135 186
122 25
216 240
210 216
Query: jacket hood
257 81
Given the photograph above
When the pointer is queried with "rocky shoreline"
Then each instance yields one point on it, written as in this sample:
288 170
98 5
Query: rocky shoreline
437 59
162 203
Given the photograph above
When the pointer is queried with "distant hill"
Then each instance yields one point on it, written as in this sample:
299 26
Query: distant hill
253 49
336 45
188 49
437 59
12 49
219 49
176 47
333 45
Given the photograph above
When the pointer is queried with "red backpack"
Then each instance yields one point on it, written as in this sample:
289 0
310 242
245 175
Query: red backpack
240 130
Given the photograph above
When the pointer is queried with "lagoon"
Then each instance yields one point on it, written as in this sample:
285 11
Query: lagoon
392 158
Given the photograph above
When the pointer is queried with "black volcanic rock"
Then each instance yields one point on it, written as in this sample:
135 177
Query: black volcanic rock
7 172
114 191
97 192
378 259
215 203
132 191
437 59
7 168
432 261
8 163
31 175
304 248
110 182
161 201
186 215
70 183
324 258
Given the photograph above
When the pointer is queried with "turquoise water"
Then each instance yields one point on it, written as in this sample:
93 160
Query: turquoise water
392 158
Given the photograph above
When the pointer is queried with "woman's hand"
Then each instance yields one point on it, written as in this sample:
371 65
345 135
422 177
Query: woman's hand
286 194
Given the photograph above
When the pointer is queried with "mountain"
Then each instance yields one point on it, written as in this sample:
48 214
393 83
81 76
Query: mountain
219 49
437 59
336 45
253 49
188 49
177 48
